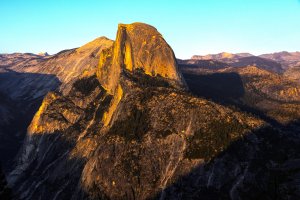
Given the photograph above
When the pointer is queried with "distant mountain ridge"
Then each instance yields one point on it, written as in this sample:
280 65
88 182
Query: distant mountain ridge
132 131
287 59
283 57
221 56
125 119
275 62
276 56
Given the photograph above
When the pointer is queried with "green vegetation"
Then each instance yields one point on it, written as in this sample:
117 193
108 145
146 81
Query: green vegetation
86 85
131 164
134 127
208 143
98 111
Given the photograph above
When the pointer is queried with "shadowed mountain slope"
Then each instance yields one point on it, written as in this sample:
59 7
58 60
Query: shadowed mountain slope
128 128
5 191
27 78
128 139
286 59
239 60
293 73
261 92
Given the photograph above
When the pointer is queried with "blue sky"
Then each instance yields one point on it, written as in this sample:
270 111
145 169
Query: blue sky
189 26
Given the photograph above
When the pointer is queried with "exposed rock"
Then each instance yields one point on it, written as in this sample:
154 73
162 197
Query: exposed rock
61 118
152 140
252 89
27 78
287 59
133 132
261 63
43 54
240 60
66 65
18 59
221 56
138 46
129 145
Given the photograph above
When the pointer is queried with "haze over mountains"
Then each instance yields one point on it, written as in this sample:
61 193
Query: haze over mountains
286 63
125 119
281 60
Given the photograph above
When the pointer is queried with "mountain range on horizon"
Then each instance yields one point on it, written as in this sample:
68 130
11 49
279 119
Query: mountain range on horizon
286 63
126 119
278 62
281 55
276 56
287 59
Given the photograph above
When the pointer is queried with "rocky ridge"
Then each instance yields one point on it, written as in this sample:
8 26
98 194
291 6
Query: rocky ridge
27 78
137 47
139 134
261 91
239 60
129 139
287 59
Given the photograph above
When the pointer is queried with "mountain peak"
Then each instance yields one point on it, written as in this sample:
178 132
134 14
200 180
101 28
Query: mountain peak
221 56
226 55
43 54
138 46
96 43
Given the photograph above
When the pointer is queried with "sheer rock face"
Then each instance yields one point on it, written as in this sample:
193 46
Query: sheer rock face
138 47
136 136
157 134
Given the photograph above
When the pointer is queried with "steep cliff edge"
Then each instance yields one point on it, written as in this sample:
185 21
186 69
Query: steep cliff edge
133 132
138 46
27 78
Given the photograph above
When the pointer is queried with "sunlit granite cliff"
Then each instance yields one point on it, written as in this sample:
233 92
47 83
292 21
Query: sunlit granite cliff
138 46
131 130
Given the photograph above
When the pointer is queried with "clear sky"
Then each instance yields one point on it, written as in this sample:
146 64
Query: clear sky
189 26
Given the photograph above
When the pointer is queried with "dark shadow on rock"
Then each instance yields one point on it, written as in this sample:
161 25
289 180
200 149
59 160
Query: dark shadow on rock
216 86
262 63
50 165
223 88
5 191
21 95
51 168
265 164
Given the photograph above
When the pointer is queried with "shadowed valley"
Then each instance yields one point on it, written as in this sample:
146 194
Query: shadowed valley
125 119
